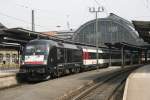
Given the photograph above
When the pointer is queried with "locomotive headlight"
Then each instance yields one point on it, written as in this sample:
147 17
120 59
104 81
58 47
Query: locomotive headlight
44 62
22 62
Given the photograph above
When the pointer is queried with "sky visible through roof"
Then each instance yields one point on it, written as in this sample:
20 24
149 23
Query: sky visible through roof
49 14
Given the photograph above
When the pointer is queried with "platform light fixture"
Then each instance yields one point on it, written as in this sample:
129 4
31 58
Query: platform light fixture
96 11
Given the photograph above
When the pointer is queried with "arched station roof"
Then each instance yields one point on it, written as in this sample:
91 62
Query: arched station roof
112 29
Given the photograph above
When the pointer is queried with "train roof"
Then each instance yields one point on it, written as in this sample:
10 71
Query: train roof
55 43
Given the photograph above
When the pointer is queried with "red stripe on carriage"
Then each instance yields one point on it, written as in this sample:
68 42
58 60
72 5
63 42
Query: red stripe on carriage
86 55
35 62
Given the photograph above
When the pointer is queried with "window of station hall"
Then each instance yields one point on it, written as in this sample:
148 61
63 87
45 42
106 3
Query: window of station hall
7 57
14 58
1 58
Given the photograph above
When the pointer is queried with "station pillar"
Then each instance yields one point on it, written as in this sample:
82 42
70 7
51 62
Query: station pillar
131 57
145 53
19 58
110 56
140 56
122 56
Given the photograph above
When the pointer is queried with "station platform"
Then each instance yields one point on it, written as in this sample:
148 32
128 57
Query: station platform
8 78
6 73
56 89
138 84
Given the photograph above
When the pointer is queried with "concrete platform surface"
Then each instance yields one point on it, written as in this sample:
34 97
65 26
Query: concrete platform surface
6 73
8 78
53 89
138 85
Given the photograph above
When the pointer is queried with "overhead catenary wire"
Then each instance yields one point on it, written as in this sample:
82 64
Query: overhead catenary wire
36 9
21 20
48 12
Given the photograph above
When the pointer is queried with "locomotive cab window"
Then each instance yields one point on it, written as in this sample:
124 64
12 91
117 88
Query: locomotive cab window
37 49
36 53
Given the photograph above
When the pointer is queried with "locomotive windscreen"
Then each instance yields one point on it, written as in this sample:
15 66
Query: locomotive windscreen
36 49
36 54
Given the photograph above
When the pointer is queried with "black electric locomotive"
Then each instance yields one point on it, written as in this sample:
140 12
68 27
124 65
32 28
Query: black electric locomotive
43 59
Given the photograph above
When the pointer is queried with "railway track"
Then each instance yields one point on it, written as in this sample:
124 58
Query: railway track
109 87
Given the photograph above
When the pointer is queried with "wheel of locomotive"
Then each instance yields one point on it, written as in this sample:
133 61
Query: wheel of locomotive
72 70
78 70
53 75
82 69
56 74
67 71
59 73
48 76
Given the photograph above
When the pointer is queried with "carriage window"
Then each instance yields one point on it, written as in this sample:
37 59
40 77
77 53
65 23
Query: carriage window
1 58
116 56
14 58
7 57
93 55
104 56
